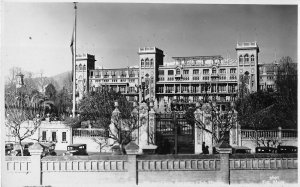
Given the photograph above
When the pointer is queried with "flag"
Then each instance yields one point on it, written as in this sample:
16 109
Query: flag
72 51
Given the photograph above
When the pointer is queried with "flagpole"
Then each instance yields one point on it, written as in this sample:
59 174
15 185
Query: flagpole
74 63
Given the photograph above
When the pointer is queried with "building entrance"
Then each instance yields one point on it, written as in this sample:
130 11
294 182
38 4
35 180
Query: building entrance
173 134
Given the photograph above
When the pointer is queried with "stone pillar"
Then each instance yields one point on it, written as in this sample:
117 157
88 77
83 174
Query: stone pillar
207 137
114 121
224 150
36 165
198 114
143 130
132 150
279 135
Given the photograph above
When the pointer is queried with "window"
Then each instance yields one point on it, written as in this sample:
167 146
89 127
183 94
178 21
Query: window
246 58
177 71
196 71
151 62
64 137
76 67
240 59
161 72
223 71
84 67
205 77
142 62
185 72
147 62
252 58
54 137
206 71
170 72
232 70
80 67
214 70
91 74
131 89
44 136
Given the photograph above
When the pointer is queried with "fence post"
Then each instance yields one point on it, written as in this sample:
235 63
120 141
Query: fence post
132 150
279 135
36 164
224 150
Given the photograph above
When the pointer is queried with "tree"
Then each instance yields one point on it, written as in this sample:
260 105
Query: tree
50 92
221 120
63 103
22 117
98 107
286 90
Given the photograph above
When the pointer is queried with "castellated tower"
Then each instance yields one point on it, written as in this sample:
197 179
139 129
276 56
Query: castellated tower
150 59
84 64
247 57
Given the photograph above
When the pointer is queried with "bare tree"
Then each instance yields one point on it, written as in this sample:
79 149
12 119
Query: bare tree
221 121
22 118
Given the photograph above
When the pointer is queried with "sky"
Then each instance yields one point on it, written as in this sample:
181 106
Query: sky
37 36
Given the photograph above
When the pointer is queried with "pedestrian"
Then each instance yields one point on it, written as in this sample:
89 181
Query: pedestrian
206 150
203 147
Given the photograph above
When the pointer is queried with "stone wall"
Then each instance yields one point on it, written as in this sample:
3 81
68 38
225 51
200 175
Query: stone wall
143 169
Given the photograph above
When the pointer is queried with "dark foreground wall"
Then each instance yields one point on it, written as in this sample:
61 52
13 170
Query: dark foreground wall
143 169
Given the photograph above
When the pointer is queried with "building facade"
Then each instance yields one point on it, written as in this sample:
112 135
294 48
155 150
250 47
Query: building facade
185 80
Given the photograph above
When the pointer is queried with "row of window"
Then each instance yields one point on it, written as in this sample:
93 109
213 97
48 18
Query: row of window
196 71
80 67
147 62
54 137
196 89
245 58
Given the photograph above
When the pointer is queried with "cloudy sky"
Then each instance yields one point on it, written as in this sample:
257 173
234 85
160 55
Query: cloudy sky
36 36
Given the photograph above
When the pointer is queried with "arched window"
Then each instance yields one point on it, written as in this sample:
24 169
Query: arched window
147 62
151 62
252 58
214 71
76 67
84 67
142 62
177 71
246 58
240 58
80 67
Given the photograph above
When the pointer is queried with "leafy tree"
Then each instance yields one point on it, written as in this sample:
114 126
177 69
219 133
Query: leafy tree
50 92
63 103
286 89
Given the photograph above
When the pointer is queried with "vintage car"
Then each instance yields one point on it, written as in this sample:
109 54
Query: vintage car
8 148
287 149
17 149
265 150
76 149
241 150
48 149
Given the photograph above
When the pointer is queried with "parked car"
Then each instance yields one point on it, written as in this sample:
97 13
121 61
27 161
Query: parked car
287 149
8 148
76 149
17 149
265 150
48 149
240 149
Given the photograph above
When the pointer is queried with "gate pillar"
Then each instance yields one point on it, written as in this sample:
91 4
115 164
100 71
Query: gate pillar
198 132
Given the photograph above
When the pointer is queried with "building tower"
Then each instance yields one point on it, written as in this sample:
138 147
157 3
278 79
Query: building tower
247 57
150 58
84 64
20 80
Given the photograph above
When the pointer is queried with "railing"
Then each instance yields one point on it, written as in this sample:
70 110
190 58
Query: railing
269 134
84 165
89 132
18 164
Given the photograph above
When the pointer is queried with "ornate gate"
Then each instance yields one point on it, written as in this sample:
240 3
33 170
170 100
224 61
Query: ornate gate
173 134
